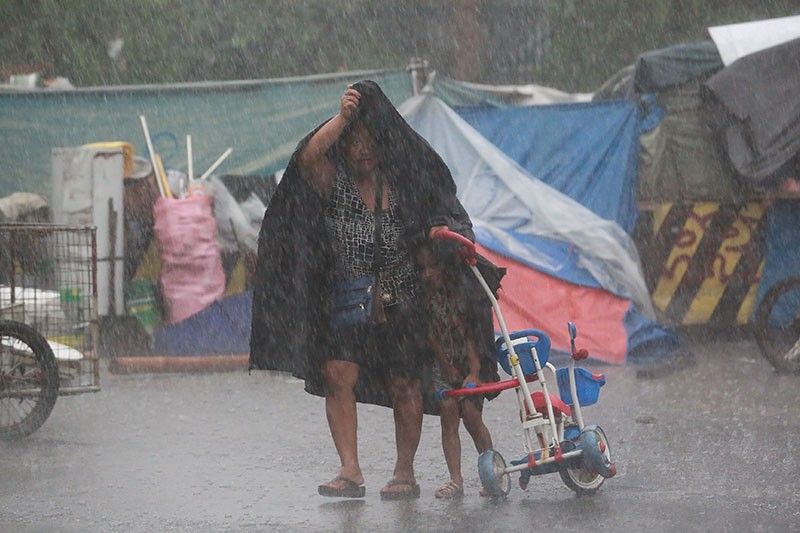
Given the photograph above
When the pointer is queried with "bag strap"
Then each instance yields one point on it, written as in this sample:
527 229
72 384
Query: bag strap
378 315
377 256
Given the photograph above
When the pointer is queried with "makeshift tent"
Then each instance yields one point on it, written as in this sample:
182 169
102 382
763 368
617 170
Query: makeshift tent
261 119
700 236
544 236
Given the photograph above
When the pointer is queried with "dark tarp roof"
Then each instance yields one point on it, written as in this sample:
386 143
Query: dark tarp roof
758 110
657 70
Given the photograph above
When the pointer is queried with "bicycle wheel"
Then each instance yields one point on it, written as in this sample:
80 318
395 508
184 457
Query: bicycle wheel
28 380
777 326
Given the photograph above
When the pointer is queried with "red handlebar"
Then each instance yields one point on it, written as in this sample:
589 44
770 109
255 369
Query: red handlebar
468 252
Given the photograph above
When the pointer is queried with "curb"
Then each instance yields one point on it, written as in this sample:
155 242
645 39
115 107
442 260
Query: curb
177 363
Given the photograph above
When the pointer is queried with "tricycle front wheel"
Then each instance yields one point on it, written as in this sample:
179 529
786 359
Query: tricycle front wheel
597 463
28 380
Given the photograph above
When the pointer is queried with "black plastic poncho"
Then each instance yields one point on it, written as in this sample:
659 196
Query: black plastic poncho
290 330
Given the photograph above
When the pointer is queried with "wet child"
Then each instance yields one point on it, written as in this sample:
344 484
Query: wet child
461 338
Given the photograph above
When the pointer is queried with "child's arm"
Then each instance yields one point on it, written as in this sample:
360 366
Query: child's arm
474 361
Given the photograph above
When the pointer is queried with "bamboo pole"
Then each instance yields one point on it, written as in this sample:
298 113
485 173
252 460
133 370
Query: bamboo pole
152 154
163 175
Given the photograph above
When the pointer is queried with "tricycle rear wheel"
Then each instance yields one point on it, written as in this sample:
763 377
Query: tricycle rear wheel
28 380
491 469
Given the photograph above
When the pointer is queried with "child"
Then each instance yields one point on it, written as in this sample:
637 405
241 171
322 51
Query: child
460 328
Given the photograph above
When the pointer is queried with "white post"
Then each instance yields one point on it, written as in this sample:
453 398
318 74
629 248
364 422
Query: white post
576 405
216 163
189 159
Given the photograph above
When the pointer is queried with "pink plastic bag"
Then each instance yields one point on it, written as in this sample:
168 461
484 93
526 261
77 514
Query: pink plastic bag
191 269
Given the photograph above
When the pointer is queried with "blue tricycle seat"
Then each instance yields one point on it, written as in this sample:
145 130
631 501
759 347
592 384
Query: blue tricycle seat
524 342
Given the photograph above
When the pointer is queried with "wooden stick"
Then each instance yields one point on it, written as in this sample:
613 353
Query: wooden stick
216 163
152 153
163 175
189 159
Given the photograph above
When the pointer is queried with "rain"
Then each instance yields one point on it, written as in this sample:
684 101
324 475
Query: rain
402 266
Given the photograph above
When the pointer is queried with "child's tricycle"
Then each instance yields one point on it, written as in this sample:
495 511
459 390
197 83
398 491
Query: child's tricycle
555 436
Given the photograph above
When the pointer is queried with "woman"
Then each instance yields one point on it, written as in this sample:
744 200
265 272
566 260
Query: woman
365 163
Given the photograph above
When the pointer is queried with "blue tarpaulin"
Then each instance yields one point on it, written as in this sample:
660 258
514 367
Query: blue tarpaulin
222 328
782 258
589 152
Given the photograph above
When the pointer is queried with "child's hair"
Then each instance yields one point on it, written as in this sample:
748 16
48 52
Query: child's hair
446 253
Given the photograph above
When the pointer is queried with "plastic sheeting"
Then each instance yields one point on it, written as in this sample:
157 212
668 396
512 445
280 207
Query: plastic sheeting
459 93
735 41
782 257
223 328
237 223
683 157
587 151
509 204
191 272
261 119
532 299
661 69
759 110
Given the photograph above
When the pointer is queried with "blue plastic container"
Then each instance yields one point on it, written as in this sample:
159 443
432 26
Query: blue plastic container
526 341
586 385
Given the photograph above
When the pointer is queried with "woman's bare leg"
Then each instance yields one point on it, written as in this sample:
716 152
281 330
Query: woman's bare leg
407 404
340 408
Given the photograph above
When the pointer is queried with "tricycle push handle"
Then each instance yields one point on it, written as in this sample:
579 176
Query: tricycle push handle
468 250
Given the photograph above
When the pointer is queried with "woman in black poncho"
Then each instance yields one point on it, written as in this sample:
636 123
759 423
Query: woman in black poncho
318 233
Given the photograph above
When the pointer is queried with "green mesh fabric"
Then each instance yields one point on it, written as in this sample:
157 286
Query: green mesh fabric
261 119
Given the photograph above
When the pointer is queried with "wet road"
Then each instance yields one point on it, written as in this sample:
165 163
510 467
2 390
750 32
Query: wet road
711 449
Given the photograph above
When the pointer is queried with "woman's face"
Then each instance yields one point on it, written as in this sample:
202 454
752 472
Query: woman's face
431 271
360 151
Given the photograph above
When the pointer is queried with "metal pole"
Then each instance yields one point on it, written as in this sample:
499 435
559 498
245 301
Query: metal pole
418 68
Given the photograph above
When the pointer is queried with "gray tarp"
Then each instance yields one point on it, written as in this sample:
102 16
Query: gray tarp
759 109
667 67
664 68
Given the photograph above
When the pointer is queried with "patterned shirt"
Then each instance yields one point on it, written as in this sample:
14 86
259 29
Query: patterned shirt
351 229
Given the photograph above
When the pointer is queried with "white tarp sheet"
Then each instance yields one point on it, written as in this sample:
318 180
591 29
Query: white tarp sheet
738 40
503 199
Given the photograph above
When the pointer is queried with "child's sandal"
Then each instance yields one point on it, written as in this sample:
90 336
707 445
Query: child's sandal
449 491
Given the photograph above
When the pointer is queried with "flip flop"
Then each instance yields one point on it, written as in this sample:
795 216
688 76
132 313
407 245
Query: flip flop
449 491
351 489
410 494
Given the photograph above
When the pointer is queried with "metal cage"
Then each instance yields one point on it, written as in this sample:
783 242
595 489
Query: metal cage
48 280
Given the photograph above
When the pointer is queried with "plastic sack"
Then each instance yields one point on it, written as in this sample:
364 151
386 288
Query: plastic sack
238 223
191 270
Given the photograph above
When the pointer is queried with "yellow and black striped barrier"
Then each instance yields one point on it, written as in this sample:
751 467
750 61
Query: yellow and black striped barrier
702 261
